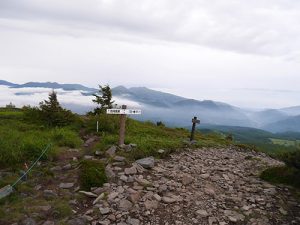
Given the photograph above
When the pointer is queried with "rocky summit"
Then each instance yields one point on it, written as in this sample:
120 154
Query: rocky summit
204 186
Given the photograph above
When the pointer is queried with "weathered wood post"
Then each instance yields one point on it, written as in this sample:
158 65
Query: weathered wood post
123 112
97 123
194 121
122 127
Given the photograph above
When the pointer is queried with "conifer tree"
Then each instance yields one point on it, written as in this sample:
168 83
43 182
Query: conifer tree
103 99
53 113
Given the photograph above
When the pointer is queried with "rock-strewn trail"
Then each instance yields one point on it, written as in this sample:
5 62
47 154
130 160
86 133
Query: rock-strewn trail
205 186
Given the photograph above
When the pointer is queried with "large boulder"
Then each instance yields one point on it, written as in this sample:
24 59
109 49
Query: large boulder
147 163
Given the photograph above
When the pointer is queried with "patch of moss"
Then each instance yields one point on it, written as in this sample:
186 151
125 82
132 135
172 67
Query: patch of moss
92 174
61 209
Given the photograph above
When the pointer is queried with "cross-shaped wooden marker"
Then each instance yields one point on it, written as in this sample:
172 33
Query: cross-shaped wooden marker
194 121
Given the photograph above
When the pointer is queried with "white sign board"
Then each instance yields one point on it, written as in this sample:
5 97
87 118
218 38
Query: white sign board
124 111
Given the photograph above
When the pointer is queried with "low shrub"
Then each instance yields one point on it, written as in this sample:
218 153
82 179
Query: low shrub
282 175
92 174
160 124
292 159
62 209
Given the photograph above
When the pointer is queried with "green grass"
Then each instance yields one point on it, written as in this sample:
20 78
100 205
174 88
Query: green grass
276 141
260 140
150 138
14 207
22 141
9 114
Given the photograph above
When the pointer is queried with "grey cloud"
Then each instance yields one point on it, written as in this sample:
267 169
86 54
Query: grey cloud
33 96
257 27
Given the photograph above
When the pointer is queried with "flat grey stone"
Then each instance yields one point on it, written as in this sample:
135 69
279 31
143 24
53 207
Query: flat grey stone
66 185
147 163
104 211
119 158
77 221
111 151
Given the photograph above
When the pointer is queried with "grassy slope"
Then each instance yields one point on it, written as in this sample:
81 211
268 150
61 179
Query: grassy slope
22 140
262 140
149 137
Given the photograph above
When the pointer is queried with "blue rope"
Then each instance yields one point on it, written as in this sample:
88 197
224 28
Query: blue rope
35 162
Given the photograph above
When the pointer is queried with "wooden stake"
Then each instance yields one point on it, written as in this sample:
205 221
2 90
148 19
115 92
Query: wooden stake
122 127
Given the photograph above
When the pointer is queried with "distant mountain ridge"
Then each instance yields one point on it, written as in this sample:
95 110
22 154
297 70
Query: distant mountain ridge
6 83
52 85
147 96
291 123
177 111
294 111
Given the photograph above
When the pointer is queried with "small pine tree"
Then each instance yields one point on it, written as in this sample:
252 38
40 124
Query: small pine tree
52 104
160 124
52 112
104 100
229 137
10 106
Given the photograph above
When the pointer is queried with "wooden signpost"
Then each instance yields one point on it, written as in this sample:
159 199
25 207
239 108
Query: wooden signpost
123 112
194 121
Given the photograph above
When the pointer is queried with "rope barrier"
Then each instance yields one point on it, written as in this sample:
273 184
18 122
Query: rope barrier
8 189
31 167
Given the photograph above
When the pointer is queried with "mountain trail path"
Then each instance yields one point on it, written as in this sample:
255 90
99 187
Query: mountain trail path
213 186
203 186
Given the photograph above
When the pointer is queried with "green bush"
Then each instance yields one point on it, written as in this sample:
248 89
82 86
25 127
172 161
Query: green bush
49 113
292 159
62 208
282 175
32 114
160 124
53 114
92 174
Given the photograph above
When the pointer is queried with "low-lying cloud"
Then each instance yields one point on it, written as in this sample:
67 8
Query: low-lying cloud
72 100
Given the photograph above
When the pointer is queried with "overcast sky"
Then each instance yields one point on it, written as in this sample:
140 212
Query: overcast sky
245 53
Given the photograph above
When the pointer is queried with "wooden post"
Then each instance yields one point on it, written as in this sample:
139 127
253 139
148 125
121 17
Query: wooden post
194 121
123 112
122 127
97 123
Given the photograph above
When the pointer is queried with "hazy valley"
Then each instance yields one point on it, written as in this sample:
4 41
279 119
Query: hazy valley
157 106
